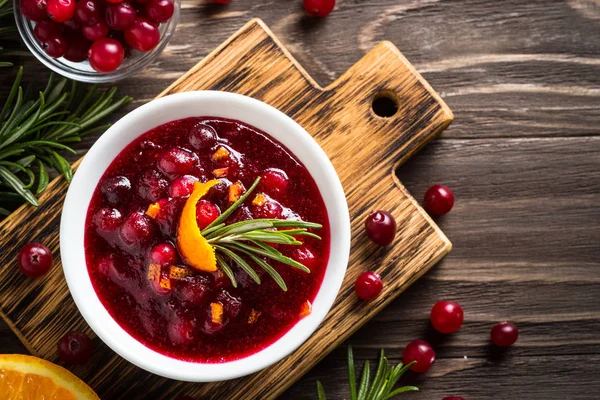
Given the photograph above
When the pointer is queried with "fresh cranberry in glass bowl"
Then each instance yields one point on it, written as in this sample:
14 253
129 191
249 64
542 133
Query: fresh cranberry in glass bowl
66 52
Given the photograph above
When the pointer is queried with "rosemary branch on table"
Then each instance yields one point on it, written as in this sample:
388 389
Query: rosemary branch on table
382 386
34 129
252 239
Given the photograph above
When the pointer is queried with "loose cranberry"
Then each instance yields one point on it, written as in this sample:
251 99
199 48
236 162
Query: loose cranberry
119 16
96 31
137 229
163 254
504 334
203 136
182 332
106 55
61 10
446 316
304 256
274 181
368 285
143 35
182 186
55 46
116 189
381 227
421 352
152 185
206 213
35 259
177 161
194 293
71 26
319 8
75 348
221 1
78 47
453 398
34 10
439 200
44 30
160 10
87 12
107 220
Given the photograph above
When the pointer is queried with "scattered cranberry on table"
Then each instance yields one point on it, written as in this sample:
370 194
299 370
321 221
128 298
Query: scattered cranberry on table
453 398
75 348
439 200
319 8
381 227
504 334
221 1
368 285
446 316
35 260
421 352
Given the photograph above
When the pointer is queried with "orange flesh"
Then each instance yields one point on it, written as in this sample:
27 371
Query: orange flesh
194 248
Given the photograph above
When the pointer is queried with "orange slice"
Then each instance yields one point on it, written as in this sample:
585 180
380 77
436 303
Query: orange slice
31 378
192 245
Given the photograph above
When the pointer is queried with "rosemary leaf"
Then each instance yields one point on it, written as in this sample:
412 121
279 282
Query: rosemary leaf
240 262
234 206
351 376
223 265
321 391
261 263
364 382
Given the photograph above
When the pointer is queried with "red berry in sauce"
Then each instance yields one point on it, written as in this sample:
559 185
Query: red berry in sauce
137 229
107 220
231 304
182 332
163 254
319 8
177 161
206 213
182 186
116 189
34 10
142 35
61 10
119 16
193 293
88 12
152 185
202 136
304 256
368 285
95 31
160 10
439 200
446 316
381 227
75 348
106 55
55 46
78 47
35 259
421 352
44 30
504 334
274 181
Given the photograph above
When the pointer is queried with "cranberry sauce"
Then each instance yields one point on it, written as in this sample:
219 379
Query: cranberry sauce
123 242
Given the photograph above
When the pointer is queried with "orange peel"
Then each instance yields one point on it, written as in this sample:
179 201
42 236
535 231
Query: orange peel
216 311
153 210
194 248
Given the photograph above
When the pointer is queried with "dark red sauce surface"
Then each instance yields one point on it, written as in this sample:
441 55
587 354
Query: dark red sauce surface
177 322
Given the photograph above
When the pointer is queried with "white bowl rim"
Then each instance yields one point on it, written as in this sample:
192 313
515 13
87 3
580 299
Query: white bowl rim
111 143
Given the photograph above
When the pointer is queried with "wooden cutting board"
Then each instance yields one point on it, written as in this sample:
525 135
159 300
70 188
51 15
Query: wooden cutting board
364 148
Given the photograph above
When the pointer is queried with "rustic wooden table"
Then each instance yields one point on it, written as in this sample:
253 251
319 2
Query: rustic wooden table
522 157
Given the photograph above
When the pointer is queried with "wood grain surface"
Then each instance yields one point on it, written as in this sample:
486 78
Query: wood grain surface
522 156
363 147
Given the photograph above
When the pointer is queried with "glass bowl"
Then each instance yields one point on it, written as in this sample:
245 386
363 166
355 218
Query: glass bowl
82 71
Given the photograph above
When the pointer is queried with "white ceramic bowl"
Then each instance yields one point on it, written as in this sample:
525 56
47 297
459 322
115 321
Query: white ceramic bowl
134 124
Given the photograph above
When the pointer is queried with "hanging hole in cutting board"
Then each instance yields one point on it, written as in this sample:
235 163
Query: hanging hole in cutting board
385 104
